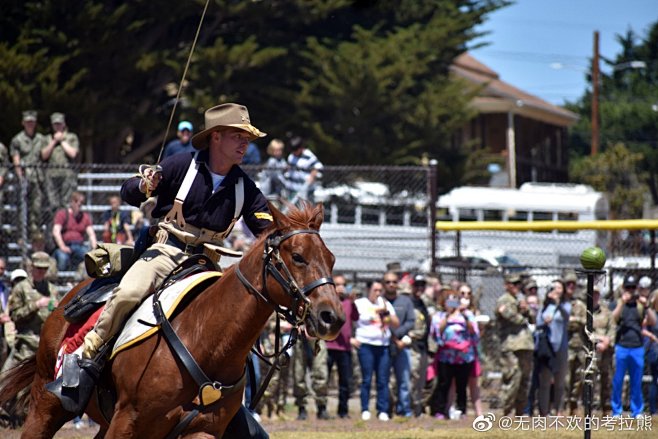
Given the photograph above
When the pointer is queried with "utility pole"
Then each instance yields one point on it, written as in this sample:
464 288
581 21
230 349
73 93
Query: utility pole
595 96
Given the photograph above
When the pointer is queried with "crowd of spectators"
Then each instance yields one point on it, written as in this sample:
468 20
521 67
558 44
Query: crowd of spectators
418 338
420 341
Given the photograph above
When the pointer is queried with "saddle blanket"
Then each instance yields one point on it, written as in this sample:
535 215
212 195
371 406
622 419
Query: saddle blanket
133 331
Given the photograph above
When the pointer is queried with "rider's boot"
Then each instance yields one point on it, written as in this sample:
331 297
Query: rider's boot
80 375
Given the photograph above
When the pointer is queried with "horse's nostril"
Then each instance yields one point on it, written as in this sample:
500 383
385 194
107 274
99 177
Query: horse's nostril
328 317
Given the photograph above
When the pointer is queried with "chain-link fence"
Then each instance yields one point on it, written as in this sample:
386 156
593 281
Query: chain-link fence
373 215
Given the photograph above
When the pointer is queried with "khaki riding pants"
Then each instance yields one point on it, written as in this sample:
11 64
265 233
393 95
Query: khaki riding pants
146 274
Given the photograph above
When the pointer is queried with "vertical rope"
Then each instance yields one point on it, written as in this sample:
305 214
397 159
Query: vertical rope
182 80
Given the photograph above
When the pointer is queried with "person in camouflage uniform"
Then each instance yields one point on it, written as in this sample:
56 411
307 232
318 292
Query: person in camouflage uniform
604 329
576 362
60 154
419 352
4 170
25 150
31 301
516 345
310 353
274 396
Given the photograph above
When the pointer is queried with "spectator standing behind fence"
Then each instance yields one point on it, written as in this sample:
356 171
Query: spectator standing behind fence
303 170
272 181
651 333
182 142
603 339
576 330
116 223
4 166
456 333
69 228
554 317
418 349
60 155
467 300
31 301
39 245
630 314
339 351
4 170
4 314
400 342
372 339
516 347
310 356
274 396
25 150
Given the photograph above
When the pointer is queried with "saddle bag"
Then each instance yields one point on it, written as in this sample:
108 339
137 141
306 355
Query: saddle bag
108 260
89 299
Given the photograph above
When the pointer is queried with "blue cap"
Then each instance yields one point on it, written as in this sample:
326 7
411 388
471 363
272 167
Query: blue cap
185 125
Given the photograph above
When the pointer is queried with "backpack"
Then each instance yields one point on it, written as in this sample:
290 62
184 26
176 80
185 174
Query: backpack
544 353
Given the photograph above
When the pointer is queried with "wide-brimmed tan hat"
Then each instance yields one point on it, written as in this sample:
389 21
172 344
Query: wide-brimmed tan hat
226 116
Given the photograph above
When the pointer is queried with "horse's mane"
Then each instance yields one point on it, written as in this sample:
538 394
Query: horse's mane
299 217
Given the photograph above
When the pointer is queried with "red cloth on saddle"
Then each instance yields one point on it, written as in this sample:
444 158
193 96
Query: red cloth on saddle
75 334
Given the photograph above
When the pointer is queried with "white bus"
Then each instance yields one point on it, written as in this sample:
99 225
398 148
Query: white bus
531 202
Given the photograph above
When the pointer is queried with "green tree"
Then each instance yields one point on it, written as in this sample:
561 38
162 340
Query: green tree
114 67
628 105
618 172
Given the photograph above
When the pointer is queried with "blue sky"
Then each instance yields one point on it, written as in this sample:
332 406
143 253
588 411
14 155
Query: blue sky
544 46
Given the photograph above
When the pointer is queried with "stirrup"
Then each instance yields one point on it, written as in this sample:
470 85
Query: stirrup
78 380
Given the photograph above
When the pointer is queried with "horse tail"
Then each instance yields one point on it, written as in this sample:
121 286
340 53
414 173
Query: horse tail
14 380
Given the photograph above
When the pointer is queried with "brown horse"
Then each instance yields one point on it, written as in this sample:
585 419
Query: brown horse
218 327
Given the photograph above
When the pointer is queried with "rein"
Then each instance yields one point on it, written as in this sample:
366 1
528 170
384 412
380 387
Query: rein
210 391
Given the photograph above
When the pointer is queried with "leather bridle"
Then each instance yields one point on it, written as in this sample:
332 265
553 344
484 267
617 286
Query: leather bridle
273 265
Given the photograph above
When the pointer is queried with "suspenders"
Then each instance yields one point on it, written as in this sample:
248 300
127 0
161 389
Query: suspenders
175 216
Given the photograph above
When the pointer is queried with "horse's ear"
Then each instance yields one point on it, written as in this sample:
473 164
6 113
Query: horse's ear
280 220
318 216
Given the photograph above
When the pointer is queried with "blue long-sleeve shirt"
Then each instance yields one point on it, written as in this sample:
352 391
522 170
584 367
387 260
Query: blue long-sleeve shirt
202 208
558 325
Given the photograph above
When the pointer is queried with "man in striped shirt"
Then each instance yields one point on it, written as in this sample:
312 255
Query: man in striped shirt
304 169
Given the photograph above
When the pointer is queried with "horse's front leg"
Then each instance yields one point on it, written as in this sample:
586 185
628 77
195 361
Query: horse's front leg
123 423
46 415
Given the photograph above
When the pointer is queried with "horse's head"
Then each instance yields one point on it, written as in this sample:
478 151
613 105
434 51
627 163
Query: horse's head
298 259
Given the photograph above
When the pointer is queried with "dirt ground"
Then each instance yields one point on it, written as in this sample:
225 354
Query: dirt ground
398 427
292 425
289 423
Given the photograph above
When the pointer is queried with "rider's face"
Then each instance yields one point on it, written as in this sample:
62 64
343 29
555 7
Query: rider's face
233 145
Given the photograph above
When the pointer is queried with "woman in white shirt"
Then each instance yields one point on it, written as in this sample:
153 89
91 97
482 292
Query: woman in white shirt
372 337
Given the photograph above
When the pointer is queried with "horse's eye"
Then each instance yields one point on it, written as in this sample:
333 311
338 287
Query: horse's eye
298 258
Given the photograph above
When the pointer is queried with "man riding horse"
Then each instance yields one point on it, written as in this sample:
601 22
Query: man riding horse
200 197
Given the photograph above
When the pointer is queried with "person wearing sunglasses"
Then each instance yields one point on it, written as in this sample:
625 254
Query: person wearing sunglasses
372 338
631 314
400 343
